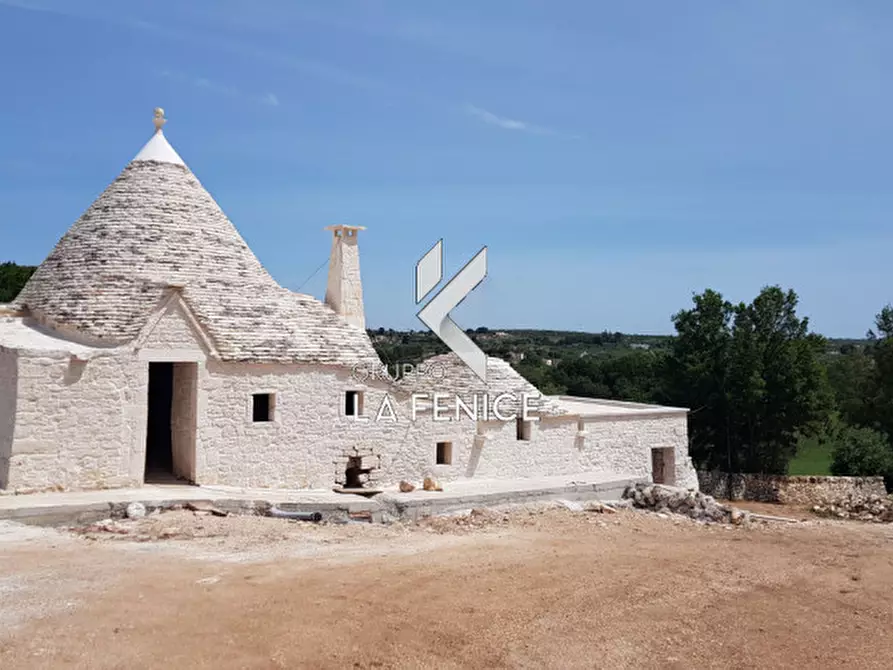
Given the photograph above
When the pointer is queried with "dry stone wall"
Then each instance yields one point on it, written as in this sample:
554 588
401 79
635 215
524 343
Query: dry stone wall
794 490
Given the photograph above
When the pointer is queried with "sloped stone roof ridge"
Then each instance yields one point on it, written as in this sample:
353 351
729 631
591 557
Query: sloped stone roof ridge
447 373
156 226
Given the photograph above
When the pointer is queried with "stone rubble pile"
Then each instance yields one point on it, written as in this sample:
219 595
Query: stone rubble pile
687 502
874 508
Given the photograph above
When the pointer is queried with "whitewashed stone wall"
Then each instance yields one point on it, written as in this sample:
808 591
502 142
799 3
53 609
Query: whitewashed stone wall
8 393
499 453
173 331
304 445
344 290
184 418
82 425
78 425
623 444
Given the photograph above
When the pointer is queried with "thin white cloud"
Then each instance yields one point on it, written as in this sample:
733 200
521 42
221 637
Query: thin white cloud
270 99
319 70
501 121
510 124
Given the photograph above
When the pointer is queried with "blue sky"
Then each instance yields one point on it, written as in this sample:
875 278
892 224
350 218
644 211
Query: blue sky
614 157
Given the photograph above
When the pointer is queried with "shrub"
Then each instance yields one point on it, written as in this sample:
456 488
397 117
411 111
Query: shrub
863 452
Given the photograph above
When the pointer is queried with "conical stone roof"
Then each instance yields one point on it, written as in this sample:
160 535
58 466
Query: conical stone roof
155 227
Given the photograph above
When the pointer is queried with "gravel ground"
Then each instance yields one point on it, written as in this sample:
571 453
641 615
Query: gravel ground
524 587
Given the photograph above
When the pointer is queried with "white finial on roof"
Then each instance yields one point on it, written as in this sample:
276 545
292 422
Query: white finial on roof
157 149
159 119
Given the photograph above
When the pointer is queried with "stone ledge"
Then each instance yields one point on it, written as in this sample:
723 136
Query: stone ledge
419 504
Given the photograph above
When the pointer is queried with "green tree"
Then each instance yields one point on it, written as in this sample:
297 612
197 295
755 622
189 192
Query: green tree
780 387
752 376
634 376
13 278
862 452
696 375
853 381
878 407
540 375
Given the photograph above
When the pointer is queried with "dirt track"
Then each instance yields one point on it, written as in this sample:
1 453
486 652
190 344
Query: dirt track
528 590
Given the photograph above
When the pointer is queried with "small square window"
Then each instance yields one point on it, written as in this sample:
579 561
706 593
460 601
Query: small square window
444 453
262 407
353 403
522 429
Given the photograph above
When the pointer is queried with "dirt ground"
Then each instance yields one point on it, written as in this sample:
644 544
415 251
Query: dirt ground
536 587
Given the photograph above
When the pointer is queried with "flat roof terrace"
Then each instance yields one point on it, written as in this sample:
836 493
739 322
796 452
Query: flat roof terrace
594 408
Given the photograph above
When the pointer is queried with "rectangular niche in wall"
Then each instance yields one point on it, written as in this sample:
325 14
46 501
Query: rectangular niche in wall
353 403
663 466
262 405
444 453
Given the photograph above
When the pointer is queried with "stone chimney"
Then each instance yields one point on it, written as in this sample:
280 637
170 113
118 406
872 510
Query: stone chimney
344 292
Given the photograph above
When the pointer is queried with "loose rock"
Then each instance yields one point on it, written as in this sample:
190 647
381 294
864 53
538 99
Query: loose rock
871 508
136 510
599 507
431 485
687 502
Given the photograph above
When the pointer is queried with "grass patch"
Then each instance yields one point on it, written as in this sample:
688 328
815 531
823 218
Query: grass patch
813 458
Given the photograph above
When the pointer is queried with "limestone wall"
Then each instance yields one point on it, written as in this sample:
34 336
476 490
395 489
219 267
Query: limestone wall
80 425
498 453
77 424
172 331
183 419
8 390
344 291
624 444
797 490
306 443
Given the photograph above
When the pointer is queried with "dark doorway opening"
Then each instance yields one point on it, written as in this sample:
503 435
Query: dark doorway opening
159 440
